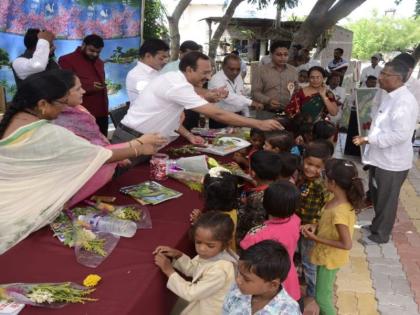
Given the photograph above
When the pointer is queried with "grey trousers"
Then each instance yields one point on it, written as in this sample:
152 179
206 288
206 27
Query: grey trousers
385 189
121 136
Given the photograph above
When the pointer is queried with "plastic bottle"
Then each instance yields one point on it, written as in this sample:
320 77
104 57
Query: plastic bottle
125 228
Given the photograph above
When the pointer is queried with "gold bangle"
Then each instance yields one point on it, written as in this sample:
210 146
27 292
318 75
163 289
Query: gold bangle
134 148
139 141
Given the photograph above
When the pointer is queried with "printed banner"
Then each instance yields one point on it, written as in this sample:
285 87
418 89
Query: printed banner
117 21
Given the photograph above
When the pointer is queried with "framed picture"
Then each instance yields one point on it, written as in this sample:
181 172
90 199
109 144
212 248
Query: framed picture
364 102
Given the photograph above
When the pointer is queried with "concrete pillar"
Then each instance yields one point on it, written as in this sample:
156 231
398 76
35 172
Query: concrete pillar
263 47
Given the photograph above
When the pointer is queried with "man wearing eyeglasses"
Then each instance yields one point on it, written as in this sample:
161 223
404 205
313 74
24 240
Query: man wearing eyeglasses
389 149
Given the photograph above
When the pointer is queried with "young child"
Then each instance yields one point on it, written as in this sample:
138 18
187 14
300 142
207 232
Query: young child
282 141
258 290
289 166
281 199
212 270
324 130
220 194
242 157
265 168
335 228
313 198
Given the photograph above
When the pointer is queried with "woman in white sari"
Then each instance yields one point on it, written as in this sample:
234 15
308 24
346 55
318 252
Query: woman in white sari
43 165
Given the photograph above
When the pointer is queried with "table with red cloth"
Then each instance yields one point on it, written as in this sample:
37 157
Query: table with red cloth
131 283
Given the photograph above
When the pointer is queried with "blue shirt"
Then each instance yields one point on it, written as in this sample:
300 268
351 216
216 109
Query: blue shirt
237 303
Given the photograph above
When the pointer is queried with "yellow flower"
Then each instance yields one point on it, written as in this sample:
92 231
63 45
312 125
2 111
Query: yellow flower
91 280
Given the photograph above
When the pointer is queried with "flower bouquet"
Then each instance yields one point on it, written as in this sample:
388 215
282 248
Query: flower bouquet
53 295
92 247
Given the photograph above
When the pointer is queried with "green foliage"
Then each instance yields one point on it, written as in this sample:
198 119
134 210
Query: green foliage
4 57
383 34
281 4
154 26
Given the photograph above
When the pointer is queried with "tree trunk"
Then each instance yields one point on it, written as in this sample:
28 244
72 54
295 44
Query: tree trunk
277 23
416 53
173 22
324 14
222 27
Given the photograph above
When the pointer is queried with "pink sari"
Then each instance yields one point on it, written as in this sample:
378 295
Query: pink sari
79 121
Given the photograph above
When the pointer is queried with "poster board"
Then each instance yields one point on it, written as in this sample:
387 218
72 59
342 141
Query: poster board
364 103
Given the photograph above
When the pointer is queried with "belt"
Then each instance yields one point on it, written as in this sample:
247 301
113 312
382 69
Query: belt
130 130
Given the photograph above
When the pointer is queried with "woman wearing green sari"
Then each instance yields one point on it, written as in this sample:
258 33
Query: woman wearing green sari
314 100
42 166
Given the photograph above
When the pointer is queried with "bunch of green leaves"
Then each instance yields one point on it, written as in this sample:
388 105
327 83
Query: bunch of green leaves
59 293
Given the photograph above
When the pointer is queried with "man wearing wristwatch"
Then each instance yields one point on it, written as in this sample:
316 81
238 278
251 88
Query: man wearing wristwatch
389 150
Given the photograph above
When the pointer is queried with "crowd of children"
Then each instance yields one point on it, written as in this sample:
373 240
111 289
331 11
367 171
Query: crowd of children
299 214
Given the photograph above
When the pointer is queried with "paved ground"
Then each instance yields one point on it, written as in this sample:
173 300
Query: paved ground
385 279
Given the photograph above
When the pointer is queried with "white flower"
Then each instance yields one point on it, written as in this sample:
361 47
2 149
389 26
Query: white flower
217 171
40 296
88 235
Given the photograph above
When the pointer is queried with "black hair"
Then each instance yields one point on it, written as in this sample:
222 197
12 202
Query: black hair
283 140
189 45
303 71
345 175
400 68
235 52
323 130
371 77
257 132
279 44
340 50
219 223
231 56
407 59
281 199
31 38
152 46
305 130
191 59
67 77
94 40
335 74
320 149
36 87
267 259
316 68
220 193
266 165
289 164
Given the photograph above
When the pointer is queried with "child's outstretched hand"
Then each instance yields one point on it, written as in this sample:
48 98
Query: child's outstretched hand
167 251
194 215
164 264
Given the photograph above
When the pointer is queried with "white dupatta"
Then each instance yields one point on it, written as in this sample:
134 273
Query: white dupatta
41 167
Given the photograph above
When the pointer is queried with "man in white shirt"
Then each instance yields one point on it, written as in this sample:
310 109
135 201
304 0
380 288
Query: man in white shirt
374 69
389 150
159 108
236 101
38 55
340 96
153 55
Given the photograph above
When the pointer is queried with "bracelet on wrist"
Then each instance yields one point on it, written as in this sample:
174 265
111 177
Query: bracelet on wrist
139 141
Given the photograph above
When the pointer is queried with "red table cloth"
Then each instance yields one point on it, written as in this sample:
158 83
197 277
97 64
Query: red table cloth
131 283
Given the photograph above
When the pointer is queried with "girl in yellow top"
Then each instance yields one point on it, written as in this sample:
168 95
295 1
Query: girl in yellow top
334 232
220 193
